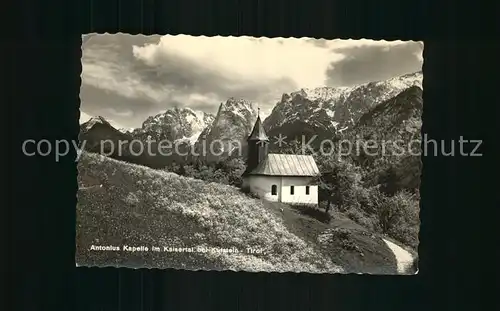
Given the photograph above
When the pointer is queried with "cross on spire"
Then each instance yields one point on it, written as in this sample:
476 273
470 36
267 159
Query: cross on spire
258 112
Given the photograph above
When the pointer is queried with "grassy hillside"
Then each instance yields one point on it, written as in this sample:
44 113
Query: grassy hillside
140 206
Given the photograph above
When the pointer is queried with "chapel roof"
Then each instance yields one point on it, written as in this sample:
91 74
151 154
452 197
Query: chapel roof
287 165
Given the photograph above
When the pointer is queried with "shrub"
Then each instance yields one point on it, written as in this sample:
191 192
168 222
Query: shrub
339 182
343 236
226 172
397 216
367 221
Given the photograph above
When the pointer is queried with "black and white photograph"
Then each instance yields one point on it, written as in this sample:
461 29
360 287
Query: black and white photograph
249 154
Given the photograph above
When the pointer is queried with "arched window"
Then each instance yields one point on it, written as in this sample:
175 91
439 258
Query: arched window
307 190
274 190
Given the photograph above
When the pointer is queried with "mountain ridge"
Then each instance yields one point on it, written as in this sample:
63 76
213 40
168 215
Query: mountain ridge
177 124
336 108
323 111
232 124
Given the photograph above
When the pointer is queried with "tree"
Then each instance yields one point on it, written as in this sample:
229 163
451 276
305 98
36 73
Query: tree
389 181
325 190
174 167
290 147
206 172
234 168
397 215
190 171
339 182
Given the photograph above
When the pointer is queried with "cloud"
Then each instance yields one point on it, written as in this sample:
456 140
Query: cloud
363 64
121 113
247 62
127 78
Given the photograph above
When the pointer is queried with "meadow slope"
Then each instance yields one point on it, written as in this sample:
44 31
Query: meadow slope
138 206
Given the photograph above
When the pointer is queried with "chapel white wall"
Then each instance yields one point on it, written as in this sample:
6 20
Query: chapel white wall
299 196
261 186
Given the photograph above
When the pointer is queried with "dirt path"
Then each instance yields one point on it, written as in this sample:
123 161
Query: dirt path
404 258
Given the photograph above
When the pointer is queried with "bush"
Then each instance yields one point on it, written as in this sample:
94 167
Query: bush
367 221
343 236
339 182
396 216
226 172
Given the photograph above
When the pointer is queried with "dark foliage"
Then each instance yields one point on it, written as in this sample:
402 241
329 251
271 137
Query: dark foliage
225 172
378 187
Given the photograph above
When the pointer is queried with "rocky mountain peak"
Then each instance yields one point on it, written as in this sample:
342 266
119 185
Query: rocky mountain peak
176 124
93 121
395 111
231 126
241 107
336 108
324 111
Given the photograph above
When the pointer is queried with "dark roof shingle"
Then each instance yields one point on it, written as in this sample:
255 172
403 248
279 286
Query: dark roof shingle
287 165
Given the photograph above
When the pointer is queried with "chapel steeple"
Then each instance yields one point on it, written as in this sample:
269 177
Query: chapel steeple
257 145
258 133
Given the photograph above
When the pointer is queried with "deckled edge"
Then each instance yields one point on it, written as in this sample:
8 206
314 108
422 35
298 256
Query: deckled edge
249 37
145 267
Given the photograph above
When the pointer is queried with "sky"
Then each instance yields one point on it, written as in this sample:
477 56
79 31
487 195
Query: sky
127 78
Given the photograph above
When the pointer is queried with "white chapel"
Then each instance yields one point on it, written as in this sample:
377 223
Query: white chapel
286 178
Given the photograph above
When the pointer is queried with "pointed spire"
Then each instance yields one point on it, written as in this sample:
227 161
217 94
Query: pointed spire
258 132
